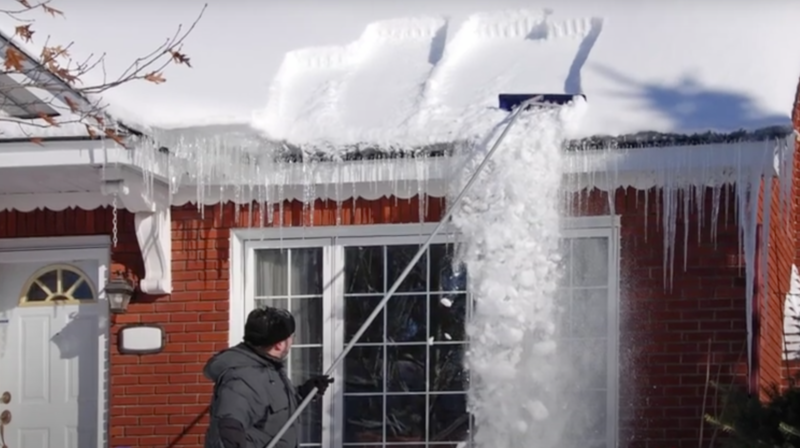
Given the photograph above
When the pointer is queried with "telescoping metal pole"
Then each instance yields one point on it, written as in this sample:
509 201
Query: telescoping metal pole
405 272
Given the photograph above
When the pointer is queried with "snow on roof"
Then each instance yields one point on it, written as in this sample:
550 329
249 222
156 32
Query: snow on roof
648 66
643 69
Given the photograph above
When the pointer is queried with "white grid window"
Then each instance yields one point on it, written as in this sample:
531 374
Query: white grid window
403 384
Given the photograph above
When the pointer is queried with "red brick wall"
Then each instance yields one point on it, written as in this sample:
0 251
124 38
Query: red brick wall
792 369
670 338
160 400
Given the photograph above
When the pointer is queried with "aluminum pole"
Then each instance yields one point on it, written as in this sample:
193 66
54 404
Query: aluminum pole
404 274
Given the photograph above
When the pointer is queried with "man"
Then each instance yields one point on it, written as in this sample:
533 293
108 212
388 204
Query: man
253 398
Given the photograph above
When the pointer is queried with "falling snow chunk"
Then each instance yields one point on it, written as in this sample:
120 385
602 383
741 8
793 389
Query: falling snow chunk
513 325
430 340
446 302
448 337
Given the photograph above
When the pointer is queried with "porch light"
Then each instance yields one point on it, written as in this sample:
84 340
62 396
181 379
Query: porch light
118 293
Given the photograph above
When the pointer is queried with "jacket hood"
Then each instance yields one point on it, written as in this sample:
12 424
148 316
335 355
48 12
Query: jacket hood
235 357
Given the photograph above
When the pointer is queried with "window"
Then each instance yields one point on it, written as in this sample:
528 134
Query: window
58 283
403 383
587 334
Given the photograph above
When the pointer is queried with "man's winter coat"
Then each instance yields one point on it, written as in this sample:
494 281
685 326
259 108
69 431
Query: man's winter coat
252 400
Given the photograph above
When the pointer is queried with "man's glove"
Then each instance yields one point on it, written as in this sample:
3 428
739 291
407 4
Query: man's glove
321 382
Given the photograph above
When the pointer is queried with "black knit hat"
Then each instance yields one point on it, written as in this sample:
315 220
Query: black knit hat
267 326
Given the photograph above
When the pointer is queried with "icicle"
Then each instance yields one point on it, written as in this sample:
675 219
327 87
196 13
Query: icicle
646 212
338 188
726 202
669 223
686 196
747 194
420 172
766 215
716 195
700 207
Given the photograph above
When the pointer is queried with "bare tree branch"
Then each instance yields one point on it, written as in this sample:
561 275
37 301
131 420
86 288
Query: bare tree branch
59 82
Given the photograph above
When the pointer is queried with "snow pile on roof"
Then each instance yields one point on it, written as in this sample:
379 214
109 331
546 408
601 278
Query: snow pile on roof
652 71
400 86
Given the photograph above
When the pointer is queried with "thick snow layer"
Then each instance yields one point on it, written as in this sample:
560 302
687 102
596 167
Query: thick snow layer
643 65
639 72
511 236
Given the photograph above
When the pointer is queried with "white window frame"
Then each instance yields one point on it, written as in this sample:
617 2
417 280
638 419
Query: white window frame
333 239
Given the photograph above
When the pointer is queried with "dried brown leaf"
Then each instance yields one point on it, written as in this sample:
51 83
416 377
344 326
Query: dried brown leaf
52 11
90 131
50 120
24 32
13 60
110 133
65 74
71 104
24 3
155 77
37 141
180 58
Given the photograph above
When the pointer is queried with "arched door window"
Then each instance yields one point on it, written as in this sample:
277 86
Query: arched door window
60 283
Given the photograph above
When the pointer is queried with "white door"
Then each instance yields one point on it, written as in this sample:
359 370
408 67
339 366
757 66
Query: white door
52 329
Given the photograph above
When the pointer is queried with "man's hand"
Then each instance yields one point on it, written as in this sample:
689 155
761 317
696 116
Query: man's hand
321 382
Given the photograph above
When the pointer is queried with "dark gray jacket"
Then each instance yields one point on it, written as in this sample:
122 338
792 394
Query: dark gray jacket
252 389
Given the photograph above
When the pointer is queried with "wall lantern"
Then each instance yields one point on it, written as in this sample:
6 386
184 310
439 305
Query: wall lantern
118 293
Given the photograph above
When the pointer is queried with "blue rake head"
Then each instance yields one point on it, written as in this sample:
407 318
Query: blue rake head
509 101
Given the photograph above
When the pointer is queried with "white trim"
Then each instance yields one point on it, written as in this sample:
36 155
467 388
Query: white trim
54 243
612 233
236 299
66 249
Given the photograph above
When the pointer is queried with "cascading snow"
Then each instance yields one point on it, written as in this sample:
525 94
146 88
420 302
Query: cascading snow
510 222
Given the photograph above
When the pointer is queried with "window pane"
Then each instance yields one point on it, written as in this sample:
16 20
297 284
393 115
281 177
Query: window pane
275 303
83 291
363 270
407 368
397 260
447 372
305 362
444 277
363 419
50 280
271 273
406 319
308 317
587 417
588 356
36 294
565 250
68 278
306 275
405 418
356 312
364 370
589 310
590 261
448 317
448 418
563 312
